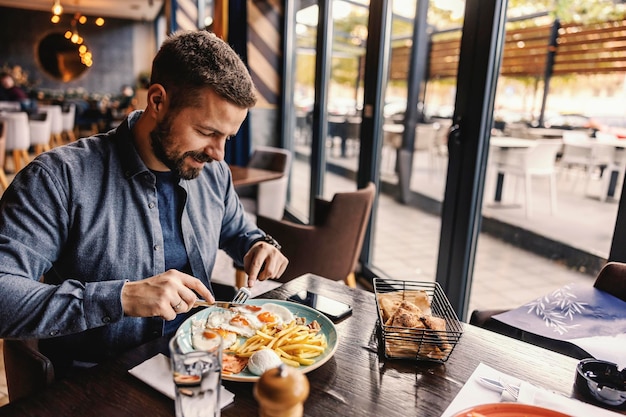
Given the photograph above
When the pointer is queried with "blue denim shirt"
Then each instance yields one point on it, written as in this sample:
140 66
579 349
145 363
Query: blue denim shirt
84 217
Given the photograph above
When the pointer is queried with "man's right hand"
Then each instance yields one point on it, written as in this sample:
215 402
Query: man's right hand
164 295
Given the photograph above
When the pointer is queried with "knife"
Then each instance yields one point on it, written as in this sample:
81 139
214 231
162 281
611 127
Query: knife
223 304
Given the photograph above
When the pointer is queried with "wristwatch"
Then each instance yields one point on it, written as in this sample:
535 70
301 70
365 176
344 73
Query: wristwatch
270 240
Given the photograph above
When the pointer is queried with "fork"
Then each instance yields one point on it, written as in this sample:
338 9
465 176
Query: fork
511 390
240 297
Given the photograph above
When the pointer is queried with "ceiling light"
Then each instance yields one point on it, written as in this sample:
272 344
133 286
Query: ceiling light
57 9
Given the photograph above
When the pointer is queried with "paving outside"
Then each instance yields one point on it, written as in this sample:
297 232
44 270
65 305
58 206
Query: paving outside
505 276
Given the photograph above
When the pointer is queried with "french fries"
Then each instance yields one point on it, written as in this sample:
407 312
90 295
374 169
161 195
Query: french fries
295 344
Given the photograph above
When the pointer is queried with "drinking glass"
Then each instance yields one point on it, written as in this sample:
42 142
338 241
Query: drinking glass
197 373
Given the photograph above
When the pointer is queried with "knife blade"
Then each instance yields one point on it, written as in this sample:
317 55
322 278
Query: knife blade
223 304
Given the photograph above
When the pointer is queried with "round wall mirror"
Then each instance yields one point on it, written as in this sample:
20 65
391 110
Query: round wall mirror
60 57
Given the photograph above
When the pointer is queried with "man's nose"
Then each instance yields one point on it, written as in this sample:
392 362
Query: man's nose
216 151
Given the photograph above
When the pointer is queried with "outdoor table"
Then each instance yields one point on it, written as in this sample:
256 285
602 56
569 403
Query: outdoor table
503 143
614 169
356 381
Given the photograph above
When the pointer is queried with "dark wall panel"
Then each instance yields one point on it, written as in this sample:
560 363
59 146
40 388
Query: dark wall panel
111 45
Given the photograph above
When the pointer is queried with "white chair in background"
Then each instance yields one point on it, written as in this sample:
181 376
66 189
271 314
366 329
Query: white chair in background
40 126
18 138
10 105
55 113
438 150
3 140
576 153
537 160
69 121
269 197
606 159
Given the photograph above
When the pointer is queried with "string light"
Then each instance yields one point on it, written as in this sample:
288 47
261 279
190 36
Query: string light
72 35
57 9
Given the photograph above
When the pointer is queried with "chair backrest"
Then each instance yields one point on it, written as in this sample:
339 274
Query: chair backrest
10 105
55 113
3 142
426 135
537 159
331 247
18 131
40 126
269 197
576 147
27 370
69 117
612 279
541 158
575 137
603 153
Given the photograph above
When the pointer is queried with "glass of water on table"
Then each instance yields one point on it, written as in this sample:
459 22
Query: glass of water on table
197 373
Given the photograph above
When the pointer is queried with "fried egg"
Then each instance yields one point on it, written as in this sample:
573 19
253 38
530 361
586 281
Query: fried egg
274 313
232 321
201 339
246 320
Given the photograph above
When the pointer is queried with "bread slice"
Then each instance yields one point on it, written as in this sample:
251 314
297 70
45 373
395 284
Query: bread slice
390 301
406 315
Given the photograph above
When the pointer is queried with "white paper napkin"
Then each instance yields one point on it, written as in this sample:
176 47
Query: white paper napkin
473 393
156 373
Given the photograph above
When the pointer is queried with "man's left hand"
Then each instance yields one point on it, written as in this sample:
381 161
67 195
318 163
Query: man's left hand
264 261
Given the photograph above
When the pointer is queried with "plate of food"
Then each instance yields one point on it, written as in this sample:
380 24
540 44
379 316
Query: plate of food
264 333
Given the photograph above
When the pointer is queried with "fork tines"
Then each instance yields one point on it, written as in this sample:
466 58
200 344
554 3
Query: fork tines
242 295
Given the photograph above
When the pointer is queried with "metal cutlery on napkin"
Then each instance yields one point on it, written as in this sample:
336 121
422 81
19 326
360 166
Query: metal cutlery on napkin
507 391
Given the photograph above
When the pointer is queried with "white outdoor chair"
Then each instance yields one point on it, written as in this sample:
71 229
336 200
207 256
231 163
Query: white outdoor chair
576 154
605 159
536 161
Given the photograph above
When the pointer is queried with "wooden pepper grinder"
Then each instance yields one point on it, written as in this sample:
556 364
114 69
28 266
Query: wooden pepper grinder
281 392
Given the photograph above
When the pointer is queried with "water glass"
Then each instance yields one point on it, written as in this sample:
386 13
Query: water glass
197 374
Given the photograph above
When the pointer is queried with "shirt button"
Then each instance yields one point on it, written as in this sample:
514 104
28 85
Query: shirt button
157 247
54 332
151 205
106 319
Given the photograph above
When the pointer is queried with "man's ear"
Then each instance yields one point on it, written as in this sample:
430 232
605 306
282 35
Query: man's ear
156 98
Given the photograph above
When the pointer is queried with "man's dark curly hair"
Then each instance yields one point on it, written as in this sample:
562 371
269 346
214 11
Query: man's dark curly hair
189 61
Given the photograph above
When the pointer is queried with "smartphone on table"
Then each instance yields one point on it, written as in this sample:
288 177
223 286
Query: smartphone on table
333 309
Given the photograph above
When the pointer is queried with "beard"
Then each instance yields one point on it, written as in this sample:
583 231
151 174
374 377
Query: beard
164 147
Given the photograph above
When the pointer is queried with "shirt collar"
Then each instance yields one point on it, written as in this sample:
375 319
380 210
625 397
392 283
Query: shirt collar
132 164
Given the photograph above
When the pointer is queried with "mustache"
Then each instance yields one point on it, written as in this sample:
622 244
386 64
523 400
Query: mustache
199 156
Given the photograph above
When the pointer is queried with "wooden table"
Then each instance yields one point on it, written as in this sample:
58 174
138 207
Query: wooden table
251 176
356 381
